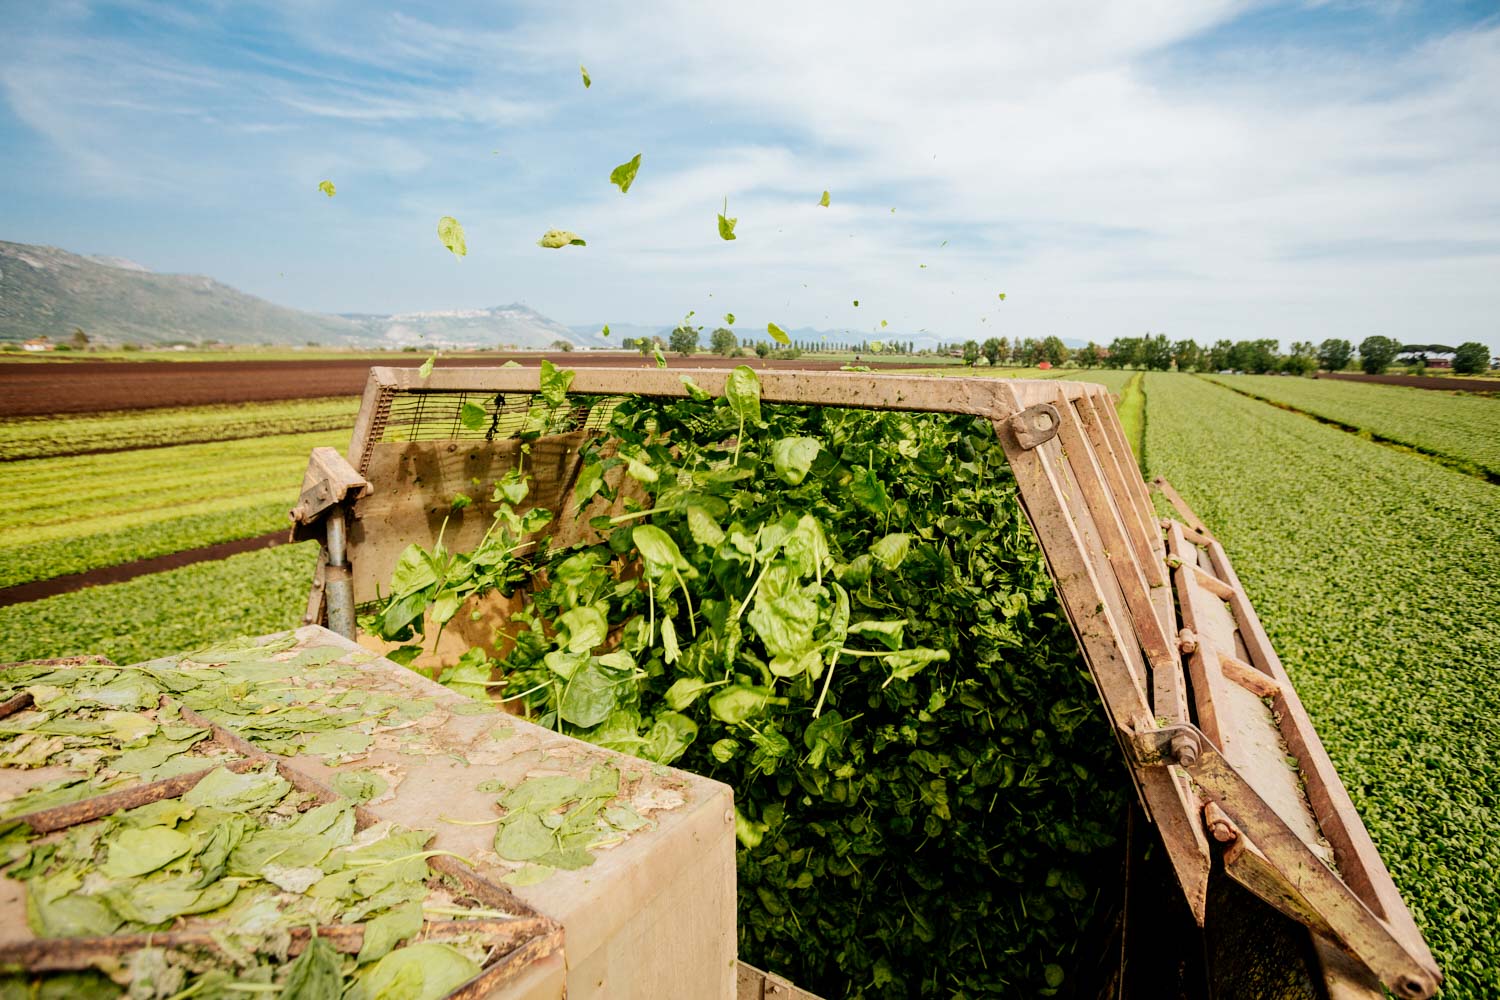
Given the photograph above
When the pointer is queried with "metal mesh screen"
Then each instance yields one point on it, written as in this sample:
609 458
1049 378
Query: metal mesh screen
487 416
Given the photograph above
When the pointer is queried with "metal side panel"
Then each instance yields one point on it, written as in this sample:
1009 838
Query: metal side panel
1290 832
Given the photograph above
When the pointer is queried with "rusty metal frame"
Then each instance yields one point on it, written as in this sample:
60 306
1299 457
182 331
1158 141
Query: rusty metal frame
1108 555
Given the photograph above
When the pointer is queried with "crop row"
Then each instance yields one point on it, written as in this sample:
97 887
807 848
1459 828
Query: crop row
41 437
1462 428
1375 574
69 515
250 594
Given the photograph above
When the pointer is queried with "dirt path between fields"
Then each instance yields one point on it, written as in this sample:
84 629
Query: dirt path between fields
38 589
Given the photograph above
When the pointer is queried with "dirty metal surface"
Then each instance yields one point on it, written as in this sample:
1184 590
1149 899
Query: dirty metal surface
445 762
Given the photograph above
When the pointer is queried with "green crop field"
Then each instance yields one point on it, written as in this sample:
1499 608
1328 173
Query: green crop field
250 594
68 515
1375 573
1373 569
45 437
1462 428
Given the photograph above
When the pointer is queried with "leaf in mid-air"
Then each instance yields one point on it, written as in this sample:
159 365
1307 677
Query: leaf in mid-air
778 334
726 224
856 303
1002 296
882 324
426 368
824 200
877 346
605 331
473 416
583 71
661 359
452 235
624 175
729 318
326 187
554 238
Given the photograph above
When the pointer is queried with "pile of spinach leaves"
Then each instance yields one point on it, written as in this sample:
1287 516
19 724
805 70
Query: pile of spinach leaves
844 615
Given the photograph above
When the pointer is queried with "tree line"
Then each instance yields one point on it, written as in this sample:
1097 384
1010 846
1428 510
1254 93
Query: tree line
1157 352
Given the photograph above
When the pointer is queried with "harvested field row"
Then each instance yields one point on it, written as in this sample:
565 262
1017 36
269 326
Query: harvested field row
1464 430
1446 383
254 593
1373 571
125 430
61 516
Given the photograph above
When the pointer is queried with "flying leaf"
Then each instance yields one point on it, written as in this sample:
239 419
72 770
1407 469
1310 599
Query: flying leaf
624 175
882 324
452 235
606 329
726 224
326 187
554 238
778 334
661 359
877 346
587 83
426 368
473 416
1002 296
824 200
729 318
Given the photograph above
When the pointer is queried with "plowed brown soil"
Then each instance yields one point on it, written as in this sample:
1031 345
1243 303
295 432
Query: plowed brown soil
90 386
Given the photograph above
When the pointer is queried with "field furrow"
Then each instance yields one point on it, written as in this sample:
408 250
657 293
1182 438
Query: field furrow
187 608
1463 429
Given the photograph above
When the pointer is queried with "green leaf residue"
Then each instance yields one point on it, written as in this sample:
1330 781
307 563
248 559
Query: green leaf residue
824 200
326 187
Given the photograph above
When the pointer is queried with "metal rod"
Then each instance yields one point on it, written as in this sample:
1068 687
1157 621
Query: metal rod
339 588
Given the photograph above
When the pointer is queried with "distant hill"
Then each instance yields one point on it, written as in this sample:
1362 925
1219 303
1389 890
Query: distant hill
514 325
46 291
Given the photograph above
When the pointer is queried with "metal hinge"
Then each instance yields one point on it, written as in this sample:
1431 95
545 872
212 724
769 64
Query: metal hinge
1035 425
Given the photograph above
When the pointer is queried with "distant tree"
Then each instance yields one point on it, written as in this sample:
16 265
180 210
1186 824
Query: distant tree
1255 356
1091 356
80 340
1334 355
1376 354
762 349
971 351
1303 360
723 341
1124 352
1188 355
1471 358
1055 351
685 340
992 349
1221 355
1156 352
644 345
562 345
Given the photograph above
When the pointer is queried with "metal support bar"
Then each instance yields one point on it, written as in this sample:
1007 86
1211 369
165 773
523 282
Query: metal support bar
1302 874
338 588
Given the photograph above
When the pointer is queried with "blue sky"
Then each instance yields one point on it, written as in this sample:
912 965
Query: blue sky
1207 168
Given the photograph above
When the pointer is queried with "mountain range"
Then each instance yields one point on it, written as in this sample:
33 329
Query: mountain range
49 292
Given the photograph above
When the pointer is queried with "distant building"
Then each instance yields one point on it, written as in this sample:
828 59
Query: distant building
42 343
